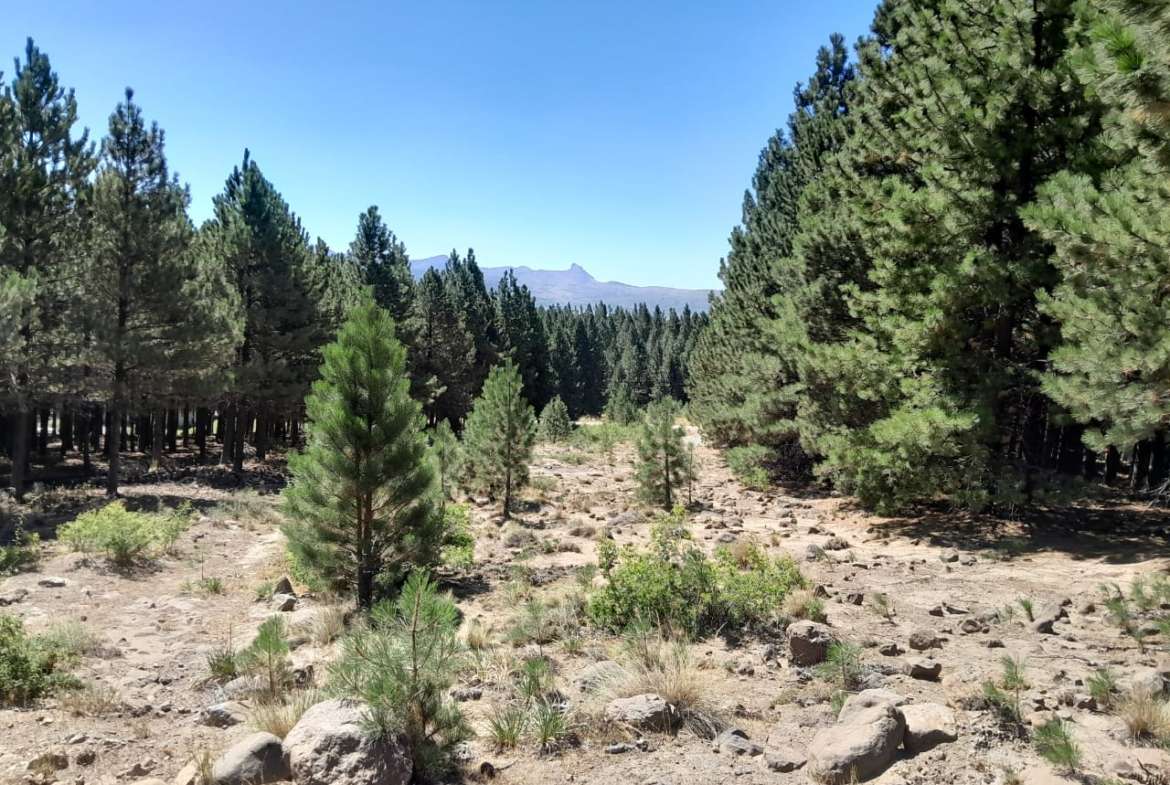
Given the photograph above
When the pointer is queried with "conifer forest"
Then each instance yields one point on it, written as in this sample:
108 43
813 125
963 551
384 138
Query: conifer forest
892 508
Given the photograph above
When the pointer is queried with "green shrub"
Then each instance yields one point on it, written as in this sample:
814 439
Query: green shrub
842 665
458 550
555 424
403 665
171 525
28 665
749 465
267 657
122 535
1055 743
673 584
22 554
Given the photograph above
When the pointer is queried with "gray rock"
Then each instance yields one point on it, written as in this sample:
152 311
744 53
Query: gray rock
284 586
642 711
1046 617
734 741
12 597
284 603
464 694
596 675
860 747
867 699
835 544
783 758
255 760
808 642
927 726
1146 681
329 745
922 640
54 761
224 715
923 668
53 582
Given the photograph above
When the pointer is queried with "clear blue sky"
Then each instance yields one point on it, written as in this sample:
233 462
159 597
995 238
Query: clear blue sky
617 135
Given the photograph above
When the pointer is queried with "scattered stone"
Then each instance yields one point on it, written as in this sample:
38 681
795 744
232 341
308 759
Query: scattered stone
1146 681
52 582
835 544
927 726
734 741
854 598
464 694
1047 617
642 711
923 640
619 748
330 746
783 758
54 761
922 668
890 649
284 603
972 626
596 675
284 586
808 642
224 715
85 757
255 760
12 597
949 557
860 747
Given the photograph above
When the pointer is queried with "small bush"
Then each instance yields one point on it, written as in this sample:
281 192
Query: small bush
673 584
70 640
749 465
124 536
506 726
171 525
842 665
28 665
402 665
223 662
1055 743
555 424
550 726
1145 716
22 554
328 625
1102 686
279 716
267 657
458 549
92 700
1004 695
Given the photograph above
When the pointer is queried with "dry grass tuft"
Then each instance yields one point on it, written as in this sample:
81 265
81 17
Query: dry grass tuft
804 604
92 700
328 625
278 717
1145 716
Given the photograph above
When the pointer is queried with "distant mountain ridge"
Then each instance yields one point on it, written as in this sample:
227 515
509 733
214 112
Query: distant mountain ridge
575 286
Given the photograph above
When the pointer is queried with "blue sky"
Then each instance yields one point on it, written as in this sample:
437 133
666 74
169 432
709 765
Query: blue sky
616 135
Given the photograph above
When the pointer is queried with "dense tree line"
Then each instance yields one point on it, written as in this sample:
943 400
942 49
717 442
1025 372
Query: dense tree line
950 276
125 327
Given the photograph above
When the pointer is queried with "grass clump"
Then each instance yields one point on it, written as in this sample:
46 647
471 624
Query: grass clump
673 584
1054 741
1145 716
279 716
403 664
1102 686
506 726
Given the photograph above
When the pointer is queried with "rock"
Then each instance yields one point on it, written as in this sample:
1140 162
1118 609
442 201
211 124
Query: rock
1046 618
923 668
1146 681
224 715
783 758
854 598
12 597
835 544
464 694
642 711
808 642
188 775
972 626
49 761
620 747
867 699
890 649
949 557
284 586
284 603
927 726
734 741
255 760
596 675
52 582
329 745
861 747
85 757
922 640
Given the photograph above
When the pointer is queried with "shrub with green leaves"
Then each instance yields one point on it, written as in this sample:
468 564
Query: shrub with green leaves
555 423
458 548
29 666
267 657
122 535
1055 743
21 554
403 664
673 584
749 464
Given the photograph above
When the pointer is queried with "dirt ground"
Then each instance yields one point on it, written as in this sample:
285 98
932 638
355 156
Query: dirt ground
155 627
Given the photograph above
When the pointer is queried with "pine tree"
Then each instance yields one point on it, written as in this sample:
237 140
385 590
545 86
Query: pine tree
555 424
382 261
469 296
499 435
1111 231
43 180
361 497
520 335
140 265
442 353
664 467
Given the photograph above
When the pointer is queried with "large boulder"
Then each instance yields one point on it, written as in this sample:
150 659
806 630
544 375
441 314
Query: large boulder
255 760
808 642
597 675
859 748
927 726
641 711
329 745
867 699
1046 618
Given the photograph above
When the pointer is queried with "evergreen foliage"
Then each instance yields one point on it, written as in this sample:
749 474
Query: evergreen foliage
360 501
555 425
499 435
663 464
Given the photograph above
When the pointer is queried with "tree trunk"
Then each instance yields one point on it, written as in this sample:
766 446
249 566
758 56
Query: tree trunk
68 416
43 434
1139 473
227 436
86 438
114 446
1112 465
1159 463
1072 452
186 427
201 417
158 424
1091 463
172 430
243 420
20 439
261 434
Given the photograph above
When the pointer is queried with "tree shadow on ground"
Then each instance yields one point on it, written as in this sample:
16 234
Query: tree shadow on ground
1112 529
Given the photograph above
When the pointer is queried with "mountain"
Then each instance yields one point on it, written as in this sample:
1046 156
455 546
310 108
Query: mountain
575 286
